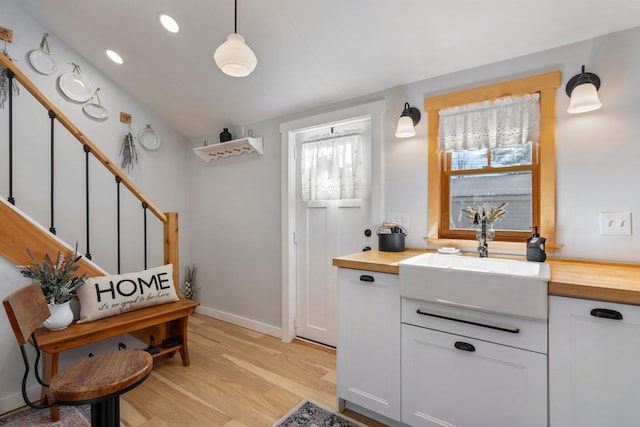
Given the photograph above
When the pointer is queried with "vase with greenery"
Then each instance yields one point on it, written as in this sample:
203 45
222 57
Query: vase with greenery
58 281
189 289
490 213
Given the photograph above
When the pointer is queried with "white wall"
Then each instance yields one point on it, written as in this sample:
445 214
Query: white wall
162 175
235 214
235 208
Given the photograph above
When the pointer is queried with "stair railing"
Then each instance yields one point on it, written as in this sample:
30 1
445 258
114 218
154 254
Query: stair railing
15 251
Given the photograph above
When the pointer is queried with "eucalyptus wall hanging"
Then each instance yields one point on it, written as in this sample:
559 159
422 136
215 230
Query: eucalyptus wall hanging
4 80
128 153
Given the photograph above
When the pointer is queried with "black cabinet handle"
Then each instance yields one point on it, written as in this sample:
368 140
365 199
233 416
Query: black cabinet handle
468 322
606 313
366 278
461 345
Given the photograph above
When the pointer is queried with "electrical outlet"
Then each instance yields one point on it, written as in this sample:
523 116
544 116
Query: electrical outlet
401 218
615 223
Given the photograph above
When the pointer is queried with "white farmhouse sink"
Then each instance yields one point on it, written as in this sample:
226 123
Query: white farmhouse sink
502 286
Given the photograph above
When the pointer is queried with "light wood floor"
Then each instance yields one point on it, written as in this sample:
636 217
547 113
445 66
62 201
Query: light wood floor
237 378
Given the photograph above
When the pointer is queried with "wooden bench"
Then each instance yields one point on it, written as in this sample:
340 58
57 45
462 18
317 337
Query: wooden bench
173 316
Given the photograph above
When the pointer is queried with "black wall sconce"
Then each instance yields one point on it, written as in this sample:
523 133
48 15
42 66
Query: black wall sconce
407 121
583 91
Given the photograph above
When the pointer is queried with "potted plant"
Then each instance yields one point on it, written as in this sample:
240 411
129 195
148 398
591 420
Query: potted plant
58 282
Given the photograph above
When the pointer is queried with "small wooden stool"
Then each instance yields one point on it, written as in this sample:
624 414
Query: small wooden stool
99 381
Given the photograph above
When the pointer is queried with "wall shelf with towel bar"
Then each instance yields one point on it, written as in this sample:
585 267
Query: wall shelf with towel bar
231 148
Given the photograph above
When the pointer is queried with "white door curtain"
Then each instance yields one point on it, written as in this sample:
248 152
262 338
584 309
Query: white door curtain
333 167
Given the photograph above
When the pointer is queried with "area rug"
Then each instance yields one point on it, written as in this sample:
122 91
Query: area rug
70 416
310 414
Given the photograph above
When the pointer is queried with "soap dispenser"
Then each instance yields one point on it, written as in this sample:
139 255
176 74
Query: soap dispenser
535 246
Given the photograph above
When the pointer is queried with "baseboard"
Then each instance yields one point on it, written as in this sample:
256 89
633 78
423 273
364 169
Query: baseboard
244 322
372 415
14 401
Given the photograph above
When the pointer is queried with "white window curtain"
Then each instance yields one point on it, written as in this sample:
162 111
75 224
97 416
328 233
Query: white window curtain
505 122
333 167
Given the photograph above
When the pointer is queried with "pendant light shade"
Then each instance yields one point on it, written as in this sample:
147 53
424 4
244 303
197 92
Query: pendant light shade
583 91
407 121
234 57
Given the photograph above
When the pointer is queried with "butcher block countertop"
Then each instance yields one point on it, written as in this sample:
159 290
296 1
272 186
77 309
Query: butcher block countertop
606 281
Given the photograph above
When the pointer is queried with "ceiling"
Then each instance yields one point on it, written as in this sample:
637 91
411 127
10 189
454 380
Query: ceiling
310 52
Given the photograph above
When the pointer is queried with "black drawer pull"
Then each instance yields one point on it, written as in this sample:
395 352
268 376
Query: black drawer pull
606 313
366 278
460 345
468 322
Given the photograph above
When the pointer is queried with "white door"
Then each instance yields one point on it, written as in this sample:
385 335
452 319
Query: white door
326 229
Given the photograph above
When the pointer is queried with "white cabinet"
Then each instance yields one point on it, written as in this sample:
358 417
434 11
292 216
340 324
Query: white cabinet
454 380
594 363
368 353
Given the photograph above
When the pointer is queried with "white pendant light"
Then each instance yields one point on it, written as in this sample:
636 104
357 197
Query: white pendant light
234 57
583 91
407 121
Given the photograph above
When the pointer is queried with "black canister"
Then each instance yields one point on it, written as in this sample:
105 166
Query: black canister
391 238
225 135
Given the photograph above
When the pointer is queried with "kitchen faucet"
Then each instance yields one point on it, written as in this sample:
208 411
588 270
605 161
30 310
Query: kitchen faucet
483 249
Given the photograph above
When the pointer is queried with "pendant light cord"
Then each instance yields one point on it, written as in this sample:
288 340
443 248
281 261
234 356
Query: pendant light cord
235 17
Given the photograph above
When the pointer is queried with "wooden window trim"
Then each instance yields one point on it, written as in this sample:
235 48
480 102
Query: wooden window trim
545 84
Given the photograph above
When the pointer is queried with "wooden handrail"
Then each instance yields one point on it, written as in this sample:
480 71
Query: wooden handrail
73 129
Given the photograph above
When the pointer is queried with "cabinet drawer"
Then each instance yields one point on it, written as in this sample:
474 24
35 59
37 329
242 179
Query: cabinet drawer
451 380
511 331
367 278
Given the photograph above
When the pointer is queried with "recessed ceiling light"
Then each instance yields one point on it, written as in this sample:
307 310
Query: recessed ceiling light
169 23
114 56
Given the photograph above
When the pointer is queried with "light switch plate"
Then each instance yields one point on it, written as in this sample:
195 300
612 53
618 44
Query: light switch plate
615 223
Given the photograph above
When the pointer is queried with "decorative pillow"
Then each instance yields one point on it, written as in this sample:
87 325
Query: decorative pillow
104 296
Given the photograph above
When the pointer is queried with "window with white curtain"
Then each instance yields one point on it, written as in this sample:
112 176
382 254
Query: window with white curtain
490 158
333 167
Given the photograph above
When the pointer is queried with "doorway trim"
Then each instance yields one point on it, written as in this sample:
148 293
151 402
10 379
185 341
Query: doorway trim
373 109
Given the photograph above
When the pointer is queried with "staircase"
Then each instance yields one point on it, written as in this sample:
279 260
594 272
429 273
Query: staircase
18 231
